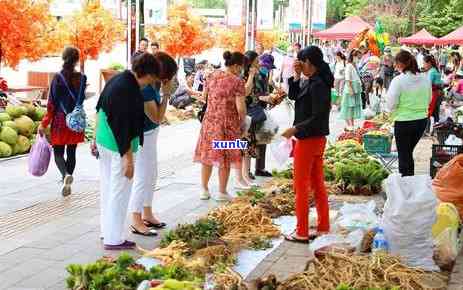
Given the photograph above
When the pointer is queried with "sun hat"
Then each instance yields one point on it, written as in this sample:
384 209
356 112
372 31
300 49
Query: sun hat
266 60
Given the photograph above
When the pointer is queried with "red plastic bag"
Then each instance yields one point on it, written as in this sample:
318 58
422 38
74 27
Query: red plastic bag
448 183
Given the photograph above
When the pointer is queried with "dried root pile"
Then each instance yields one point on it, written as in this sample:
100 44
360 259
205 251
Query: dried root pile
362 272
244 223
169 254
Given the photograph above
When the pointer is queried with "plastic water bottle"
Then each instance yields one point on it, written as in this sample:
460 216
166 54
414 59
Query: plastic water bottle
380 244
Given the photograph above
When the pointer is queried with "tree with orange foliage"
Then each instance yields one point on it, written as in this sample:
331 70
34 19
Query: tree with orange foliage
24 29
92 30
184 35
231 39
268 38
234 39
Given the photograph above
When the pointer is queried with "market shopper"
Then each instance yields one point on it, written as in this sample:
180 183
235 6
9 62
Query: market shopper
142 48
223 121
351 103
119 133
144 222
408 99
431 68
339 72
311 126
257 101
67 87
387 68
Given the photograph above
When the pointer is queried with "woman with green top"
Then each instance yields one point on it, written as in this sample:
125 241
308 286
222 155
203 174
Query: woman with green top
408 99
430 66
351 104
119 133
144 221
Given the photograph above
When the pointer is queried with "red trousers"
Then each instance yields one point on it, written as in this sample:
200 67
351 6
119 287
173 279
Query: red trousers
309 179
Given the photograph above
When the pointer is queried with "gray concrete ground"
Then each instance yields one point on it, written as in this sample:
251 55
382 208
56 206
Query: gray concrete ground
41 232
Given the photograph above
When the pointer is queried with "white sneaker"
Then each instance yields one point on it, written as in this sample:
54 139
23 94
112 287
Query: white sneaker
242 186
204 195
222 197
66 188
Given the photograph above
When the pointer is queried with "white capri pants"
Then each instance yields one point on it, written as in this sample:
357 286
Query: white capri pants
146 173
114 196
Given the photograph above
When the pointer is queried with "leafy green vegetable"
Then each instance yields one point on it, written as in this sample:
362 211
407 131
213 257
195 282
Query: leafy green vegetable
254 193
286 173
196 235
122 274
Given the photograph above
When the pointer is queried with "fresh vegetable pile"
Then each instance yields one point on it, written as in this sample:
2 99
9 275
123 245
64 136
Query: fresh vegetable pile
196 236
356 135
122 274
383 119
352 170
379 271
244 223
18 128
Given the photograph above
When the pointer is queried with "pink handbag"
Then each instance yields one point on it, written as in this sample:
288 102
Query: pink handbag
39 157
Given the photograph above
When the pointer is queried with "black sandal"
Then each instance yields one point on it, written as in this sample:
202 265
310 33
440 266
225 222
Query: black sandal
148 233
153 225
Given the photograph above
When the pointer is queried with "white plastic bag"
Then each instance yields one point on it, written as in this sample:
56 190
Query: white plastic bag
268 130
354 239
326 240
281 149
358 216
409 214
453 140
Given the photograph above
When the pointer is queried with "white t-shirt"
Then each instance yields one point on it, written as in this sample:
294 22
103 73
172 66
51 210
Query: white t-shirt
339 71
351 73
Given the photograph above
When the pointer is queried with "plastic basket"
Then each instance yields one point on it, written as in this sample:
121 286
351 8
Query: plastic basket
376 144
446 152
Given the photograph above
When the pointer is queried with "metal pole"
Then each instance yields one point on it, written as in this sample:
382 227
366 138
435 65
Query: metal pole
309 33
248 24
254 24
129 32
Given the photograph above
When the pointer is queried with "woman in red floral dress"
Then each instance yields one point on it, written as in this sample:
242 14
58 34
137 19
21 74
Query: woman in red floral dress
60 102
223 121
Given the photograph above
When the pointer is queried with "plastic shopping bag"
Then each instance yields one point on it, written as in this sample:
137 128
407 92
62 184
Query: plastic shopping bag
39 157
447 184
281 149
409 215
268 130
446 249
358 216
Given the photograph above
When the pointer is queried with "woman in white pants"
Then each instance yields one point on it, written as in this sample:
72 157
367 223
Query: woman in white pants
144 221
119 132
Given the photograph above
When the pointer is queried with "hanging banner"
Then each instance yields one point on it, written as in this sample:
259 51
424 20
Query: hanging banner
264 14
156 12
234 12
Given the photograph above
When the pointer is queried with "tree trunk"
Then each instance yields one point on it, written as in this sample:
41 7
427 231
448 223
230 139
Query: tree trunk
413 14
82 66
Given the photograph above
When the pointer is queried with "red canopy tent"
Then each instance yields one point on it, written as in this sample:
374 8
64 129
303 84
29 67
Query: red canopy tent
420 38
344 30
455 37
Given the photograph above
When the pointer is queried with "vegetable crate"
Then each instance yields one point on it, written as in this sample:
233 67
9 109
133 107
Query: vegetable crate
441 154
377 144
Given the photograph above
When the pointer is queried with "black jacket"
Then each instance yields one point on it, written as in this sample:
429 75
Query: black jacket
122 101
313 105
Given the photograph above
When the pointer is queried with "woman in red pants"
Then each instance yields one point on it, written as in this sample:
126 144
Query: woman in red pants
311 89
